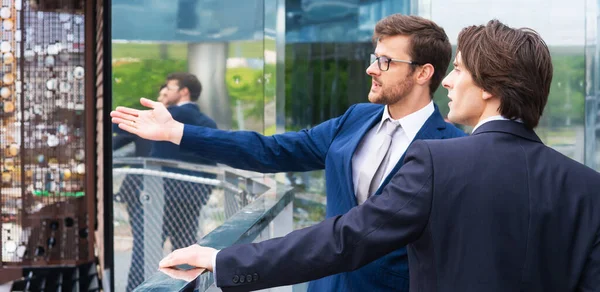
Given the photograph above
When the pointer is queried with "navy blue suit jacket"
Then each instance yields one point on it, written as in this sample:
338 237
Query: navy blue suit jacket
495 211
329 145
182 191
190 114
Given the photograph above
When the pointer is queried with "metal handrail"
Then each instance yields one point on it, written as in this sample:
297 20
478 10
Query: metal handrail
266 207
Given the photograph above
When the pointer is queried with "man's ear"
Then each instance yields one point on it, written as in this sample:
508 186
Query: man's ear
486 95
185 91
424 74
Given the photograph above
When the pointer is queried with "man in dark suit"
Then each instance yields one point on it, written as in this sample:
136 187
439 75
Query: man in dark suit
410 60
183 199
129 193
495 211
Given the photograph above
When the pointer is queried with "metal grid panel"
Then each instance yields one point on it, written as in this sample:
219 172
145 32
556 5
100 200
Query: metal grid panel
44 220
157 211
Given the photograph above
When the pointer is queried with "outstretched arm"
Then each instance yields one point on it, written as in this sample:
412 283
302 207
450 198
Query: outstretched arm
382 224
292 151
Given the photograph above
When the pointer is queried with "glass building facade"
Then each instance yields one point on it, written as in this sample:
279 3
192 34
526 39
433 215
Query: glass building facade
283 65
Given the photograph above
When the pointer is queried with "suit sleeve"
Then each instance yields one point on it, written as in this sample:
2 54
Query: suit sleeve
293 151
590 280
381 225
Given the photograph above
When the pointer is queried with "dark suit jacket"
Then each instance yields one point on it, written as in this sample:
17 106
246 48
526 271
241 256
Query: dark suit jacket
185 192
329 145
495 211
131 185
190 114
121 138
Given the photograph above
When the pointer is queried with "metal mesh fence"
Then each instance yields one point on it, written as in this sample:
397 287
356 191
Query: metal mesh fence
157 211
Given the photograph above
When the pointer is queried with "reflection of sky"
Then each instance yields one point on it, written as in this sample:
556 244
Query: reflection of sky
188 20
337 20
559 22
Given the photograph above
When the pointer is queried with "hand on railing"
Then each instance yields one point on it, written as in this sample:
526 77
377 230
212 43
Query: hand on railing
155 124
193 255
186 275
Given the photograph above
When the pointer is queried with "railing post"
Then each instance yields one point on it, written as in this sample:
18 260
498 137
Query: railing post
231 204
152 199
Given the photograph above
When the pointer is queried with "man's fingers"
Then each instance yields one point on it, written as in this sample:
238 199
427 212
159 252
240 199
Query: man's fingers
121 115
129 128
177 257
126 110
149 103
186 275
119 120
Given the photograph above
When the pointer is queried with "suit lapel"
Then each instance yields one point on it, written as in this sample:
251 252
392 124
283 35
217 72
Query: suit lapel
362 131
432 129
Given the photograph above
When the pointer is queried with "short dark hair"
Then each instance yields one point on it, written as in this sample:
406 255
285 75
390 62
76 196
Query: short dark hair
428 42
513 64
189 81
162 86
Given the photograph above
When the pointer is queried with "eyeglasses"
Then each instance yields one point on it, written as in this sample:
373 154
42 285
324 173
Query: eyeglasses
384 62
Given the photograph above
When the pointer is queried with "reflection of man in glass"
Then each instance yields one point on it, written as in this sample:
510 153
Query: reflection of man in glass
183 200
162 95
360 150
129 193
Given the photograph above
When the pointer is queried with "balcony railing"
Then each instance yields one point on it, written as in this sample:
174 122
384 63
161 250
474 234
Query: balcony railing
161 205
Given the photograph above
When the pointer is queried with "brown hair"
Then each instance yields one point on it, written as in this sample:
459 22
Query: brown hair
189 81
428 42
512 64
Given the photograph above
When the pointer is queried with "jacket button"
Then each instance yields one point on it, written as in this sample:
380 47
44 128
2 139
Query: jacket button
255 277
235 279
248 278
242 279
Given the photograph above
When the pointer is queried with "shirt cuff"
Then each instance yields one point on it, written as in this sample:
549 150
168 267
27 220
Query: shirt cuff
214 265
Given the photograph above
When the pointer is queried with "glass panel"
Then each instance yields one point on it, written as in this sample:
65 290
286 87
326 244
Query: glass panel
223 44
328 44
561 24
592 113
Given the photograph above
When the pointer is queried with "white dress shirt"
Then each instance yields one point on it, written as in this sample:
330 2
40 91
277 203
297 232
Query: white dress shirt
182 103
410 126
492 118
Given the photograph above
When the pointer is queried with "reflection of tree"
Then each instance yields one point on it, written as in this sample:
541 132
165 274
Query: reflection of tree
567 93
323 80
134 78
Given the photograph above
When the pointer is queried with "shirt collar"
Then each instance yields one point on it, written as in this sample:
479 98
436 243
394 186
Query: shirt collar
183 102
411 124
489 119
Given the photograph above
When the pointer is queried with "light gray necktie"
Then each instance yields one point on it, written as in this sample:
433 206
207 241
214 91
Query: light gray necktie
371 174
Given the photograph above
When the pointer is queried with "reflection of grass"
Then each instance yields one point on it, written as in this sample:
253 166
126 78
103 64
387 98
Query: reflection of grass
559 136
314 212
178 51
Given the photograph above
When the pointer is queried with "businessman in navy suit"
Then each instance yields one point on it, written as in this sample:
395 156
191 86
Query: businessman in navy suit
495 211
411 57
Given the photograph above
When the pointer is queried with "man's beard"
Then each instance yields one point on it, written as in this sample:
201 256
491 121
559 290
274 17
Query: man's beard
388 96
